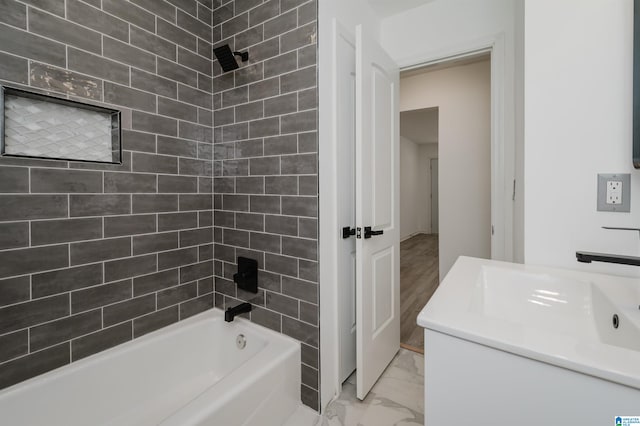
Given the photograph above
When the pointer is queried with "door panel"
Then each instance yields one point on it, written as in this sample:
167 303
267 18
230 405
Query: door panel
382 179
383 293
377 205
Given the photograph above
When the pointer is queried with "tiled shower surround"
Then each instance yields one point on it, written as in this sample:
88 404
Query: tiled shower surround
265 168
214 166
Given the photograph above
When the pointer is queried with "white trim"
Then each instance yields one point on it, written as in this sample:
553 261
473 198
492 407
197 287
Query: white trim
502 158
328 215
432 57
465 55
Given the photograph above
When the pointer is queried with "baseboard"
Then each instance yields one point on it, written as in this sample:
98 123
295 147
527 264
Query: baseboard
413 235
412 348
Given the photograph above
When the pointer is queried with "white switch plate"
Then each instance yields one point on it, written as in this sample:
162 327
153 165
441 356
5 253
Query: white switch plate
614 192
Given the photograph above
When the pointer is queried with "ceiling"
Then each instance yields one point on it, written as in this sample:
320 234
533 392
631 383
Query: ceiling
386 8
420 125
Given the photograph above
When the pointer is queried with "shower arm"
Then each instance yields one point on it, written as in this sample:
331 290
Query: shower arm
244 56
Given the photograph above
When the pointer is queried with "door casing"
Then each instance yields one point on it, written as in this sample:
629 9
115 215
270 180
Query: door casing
502 178
435 202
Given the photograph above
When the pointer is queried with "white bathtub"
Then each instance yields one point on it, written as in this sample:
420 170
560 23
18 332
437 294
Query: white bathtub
190 373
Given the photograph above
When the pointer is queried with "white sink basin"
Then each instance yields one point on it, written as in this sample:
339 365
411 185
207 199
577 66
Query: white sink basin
627 334
532 299
557 316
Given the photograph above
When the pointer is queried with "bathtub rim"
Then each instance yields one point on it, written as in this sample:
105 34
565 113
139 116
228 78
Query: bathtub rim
279 339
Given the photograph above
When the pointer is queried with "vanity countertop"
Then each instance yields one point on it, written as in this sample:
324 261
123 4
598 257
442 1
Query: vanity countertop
561 317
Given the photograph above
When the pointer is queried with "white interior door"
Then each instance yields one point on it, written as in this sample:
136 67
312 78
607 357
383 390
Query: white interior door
377 206
434 196
345 123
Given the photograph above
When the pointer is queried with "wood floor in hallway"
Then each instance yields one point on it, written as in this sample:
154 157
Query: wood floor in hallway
418 282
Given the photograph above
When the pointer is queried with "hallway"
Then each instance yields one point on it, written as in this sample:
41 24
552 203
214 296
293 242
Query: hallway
418 282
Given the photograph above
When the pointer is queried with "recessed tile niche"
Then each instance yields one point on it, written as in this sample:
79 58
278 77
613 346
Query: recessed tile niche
40 126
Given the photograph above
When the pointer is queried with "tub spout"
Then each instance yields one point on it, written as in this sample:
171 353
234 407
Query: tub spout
231 313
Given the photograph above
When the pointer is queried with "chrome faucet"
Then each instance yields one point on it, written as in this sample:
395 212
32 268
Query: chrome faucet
231 313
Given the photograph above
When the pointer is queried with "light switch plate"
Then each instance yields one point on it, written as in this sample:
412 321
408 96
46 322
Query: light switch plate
610 197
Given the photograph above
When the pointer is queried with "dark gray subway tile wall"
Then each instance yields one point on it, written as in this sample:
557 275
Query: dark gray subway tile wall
215 166
265 168
93 255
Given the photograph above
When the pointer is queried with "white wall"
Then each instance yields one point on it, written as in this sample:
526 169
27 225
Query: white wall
578 116
415 187
444 27
411 186
463 96
426 152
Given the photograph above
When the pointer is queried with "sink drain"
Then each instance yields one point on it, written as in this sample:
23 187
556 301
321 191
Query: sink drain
616 321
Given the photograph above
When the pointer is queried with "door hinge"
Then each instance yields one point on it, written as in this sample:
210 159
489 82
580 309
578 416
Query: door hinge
358 232
493 231
513 196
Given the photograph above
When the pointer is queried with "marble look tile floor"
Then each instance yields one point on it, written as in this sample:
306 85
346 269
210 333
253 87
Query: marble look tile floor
397 399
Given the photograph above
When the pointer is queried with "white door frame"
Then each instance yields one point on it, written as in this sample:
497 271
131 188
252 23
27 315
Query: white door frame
502 175
328 210
435 212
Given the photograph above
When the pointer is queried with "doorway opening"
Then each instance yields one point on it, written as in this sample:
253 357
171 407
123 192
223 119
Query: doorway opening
418 219
445 178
